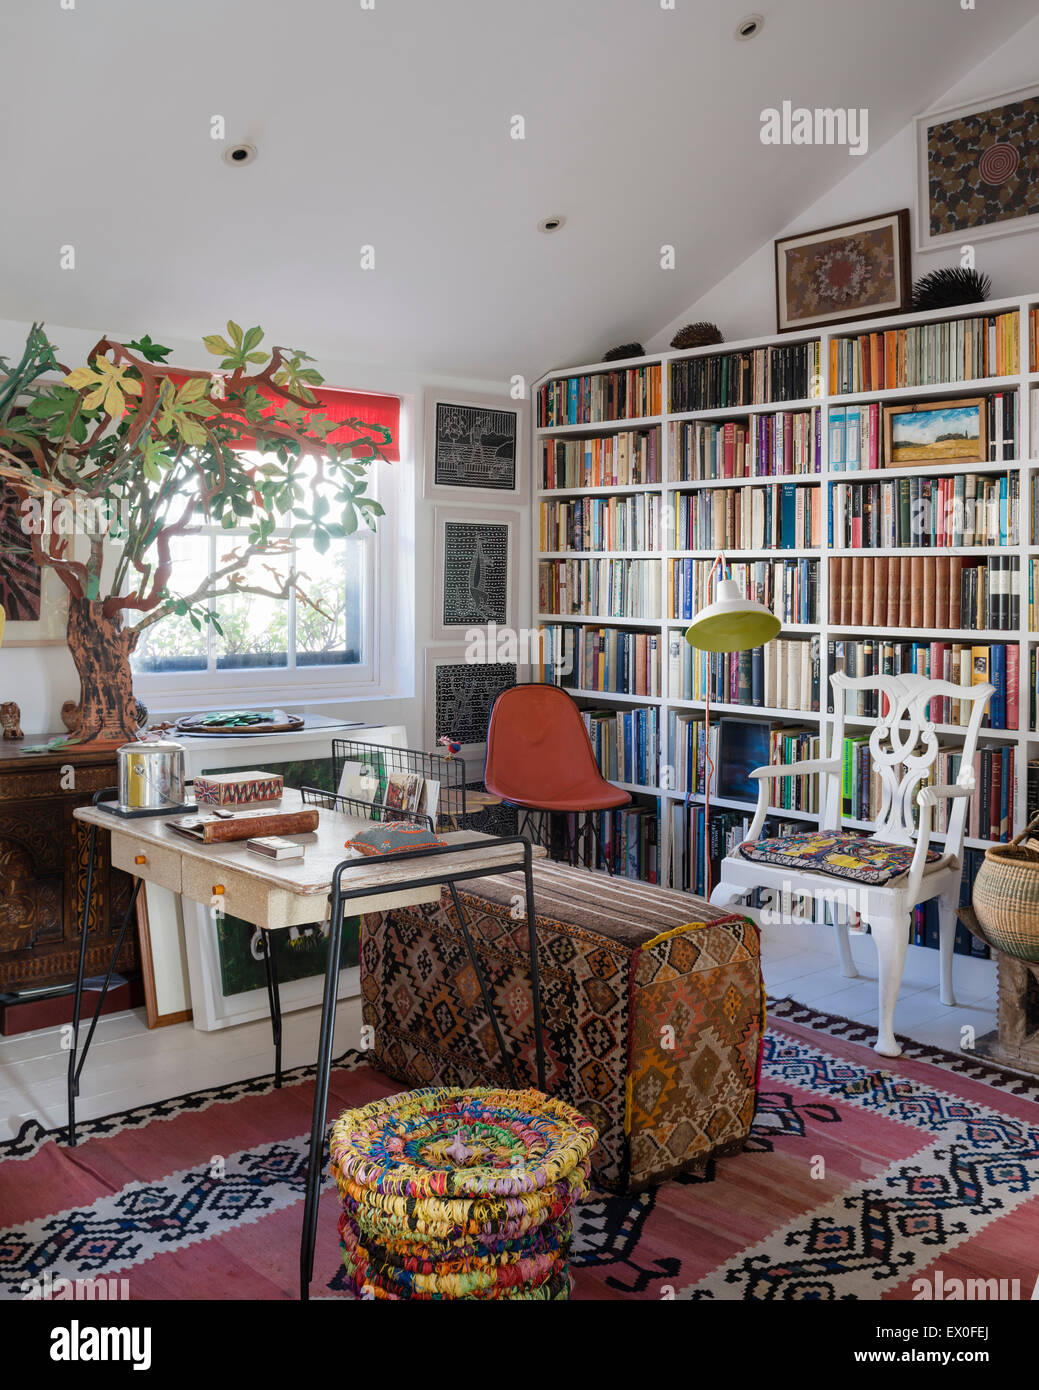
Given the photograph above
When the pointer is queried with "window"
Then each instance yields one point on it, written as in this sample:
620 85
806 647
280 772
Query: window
323 640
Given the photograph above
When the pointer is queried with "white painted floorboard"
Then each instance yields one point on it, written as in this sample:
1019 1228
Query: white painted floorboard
131 1065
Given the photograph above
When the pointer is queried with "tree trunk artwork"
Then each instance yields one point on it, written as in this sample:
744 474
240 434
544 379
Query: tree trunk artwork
101 649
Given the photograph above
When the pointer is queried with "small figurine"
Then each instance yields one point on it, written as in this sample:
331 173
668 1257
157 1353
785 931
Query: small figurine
70 716
11 720
451 744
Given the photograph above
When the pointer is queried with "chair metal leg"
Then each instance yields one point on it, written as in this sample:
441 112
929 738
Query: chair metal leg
488 1002
316 1162
270 966
606 859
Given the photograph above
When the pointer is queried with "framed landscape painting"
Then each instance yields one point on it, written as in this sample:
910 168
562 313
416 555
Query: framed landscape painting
856 270
977 169
935 432
474 447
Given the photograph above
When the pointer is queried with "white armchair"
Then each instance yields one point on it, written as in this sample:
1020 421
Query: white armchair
886 874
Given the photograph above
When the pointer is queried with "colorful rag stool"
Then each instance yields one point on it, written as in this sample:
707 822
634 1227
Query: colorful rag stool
451 1193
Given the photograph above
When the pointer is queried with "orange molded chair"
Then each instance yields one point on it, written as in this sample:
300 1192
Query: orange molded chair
539 757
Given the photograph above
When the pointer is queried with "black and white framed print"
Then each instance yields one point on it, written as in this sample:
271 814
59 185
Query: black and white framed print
474 579
459 695
475 446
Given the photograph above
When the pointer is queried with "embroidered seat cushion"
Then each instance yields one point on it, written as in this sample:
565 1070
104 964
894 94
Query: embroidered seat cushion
858 857
395 837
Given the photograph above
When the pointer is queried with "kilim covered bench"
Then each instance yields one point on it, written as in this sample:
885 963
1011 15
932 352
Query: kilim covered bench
652 999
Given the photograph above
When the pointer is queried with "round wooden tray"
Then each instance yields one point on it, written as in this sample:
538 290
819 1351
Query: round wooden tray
278 723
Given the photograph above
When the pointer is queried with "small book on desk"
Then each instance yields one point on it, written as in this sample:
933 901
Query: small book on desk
276 847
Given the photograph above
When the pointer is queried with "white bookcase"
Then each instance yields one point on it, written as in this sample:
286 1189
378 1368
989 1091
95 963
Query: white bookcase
1025 740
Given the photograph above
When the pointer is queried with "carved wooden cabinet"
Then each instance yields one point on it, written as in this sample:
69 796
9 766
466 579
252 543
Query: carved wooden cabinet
43 864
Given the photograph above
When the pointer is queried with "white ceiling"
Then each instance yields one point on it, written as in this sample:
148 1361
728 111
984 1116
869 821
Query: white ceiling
390 126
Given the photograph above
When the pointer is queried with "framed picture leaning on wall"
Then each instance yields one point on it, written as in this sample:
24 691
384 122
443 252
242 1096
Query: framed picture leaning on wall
855 270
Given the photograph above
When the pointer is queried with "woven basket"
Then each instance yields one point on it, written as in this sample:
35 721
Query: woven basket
1006 897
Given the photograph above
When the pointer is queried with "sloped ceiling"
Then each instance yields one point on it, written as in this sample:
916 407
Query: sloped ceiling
390 127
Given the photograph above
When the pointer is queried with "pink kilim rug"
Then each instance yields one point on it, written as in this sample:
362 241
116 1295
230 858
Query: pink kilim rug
861 1178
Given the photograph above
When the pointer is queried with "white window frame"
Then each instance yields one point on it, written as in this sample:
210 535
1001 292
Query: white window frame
390 604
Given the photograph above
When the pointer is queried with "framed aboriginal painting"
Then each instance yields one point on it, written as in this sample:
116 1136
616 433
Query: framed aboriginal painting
474 578
475 447
856 270
978 170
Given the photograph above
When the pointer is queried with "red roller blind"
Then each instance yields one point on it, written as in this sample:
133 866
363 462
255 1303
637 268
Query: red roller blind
335 404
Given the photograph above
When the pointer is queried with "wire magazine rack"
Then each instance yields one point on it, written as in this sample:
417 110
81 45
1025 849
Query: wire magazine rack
451 808
366 810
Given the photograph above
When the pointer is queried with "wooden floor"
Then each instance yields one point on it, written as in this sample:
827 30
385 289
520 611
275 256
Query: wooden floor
130 1065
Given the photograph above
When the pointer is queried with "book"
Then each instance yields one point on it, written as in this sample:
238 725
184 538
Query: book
244 825
276 847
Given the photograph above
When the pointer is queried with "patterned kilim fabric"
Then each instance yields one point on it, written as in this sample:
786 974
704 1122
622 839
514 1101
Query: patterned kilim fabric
857 857
652 1002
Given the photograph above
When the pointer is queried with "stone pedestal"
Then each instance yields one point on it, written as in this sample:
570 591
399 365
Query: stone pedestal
1015 1044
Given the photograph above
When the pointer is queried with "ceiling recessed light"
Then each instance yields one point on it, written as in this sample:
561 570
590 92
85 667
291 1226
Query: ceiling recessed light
750 26
551 224
240 154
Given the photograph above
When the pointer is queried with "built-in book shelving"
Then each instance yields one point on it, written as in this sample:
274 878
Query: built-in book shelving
773 451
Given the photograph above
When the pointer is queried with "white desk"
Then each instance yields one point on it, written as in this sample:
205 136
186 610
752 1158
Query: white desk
277 895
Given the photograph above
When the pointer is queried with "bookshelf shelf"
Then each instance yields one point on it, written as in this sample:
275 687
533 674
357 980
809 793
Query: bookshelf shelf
1023 743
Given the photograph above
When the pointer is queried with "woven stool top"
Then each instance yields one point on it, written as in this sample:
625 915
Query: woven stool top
453 1142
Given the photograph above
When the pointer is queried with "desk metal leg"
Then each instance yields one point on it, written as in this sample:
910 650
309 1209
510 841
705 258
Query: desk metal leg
270 966
488 1002
316 1164
535 973
74 1068
73 1084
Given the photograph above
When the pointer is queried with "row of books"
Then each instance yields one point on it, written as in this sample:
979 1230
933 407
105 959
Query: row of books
632 838
784 674
754 377
628 459
789 587
926 354
968 509
924 591
625 394
765 446
924 929
631 522
724 755
600 588
626 744
784 517
990 809
600 658
856 432
957 662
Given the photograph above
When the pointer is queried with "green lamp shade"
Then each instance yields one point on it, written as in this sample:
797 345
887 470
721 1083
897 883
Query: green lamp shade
732 623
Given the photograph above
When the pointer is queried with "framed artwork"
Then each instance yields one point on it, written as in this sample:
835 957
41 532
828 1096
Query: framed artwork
35 600
856 270
164 966
936 432
977 170
459 696
474 570
475 445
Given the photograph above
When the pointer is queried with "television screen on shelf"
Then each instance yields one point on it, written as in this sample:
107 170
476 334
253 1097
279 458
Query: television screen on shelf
742 746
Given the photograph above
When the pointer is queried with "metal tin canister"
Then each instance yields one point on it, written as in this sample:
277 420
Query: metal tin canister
151 776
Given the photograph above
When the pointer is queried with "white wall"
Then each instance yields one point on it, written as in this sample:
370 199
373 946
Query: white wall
743 305
40 679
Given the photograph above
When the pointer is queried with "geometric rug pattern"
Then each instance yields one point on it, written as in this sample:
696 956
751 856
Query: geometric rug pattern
862 1176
